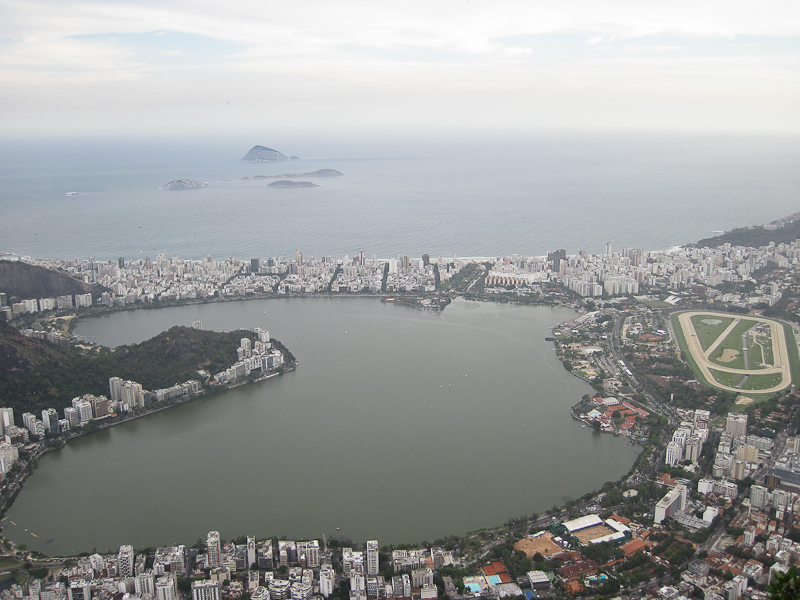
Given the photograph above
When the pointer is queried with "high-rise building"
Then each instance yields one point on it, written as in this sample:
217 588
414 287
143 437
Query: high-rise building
674 454
99 406
738 469
50 420
33 425
372 557
125 561
207 590
672 503
736 423
71 415
251 552
132 394
213 550
759 496
84 409
6 419
691 451
327 577
115 388
145 583
312 554
166 588
555 257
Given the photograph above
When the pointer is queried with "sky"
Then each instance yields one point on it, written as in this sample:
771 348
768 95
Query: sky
366 67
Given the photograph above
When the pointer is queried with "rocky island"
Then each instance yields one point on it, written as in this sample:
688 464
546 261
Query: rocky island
184 184
285 183
264 154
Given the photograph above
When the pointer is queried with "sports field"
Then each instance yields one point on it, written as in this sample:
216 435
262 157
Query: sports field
737 353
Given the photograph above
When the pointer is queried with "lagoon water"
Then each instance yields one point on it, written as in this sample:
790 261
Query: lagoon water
398 425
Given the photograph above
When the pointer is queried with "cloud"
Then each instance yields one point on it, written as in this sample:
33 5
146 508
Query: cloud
446 60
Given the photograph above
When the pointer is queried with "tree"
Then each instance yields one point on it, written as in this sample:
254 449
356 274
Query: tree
785 586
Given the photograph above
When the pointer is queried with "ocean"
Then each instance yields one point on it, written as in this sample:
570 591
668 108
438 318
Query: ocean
469 197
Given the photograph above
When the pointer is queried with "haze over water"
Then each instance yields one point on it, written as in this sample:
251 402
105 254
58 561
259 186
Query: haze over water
473 197
397 425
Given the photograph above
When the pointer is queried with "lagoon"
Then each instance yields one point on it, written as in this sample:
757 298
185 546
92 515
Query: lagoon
398 425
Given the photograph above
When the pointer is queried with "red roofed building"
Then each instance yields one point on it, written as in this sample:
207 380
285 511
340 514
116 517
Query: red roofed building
579 569
633 547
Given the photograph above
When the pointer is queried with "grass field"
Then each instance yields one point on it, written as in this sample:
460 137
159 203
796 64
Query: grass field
707 333
9 563
724 366
753 382
733 344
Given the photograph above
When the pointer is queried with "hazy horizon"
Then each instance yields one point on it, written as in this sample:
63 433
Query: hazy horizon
355 68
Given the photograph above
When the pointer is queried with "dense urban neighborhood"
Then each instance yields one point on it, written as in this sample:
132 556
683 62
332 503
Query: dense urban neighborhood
691 353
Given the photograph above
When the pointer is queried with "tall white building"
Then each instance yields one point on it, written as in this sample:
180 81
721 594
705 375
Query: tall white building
372 557
672 503
736 423
213 550
72 417
144 583
251 552
125 561
6 419
84 409
327 578
115 388
166 588
674 454
759 496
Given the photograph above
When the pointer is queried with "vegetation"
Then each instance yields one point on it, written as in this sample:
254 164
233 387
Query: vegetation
754 237
785 586
35 375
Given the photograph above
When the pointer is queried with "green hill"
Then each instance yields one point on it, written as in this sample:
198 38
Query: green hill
21 281
35 375
756 236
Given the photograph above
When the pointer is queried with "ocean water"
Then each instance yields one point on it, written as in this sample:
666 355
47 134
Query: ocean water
487 197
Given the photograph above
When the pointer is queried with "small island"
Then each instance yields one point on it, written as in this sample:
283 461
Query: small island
184 184
318 173
285 183
264 154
